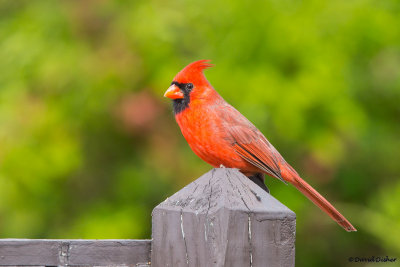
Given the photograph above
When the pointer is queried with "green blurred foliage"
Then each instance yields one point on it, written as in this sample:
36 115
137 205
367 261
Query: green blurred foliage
88 146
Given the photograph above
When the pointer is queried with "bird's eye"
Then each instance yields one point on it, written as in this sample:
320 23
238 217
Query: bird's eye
189 86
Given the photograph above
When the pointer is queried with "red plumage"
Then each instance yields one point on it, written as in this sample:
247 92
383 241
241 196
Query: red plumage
221 135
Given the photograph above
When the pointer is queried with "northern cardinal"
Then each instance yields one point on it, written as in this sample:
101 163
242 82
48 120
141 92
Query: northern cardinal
221 135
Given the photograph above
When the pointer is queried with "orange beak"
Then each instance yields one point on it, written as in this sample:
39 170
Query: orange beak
174 92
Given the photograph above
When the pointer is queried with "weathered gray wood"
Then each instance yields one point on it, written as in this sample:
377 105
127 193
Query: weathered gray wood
34 252
222 219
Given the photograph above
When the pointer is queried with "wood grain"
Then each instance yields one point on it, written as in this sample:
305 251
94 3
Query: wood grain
39 252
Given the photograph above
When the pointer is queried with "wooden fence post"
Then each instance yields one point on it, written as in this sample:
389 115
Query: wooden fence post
222 219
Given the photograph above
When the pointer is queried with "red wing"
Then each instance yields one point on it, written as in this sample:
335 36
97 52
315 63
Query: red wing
250 143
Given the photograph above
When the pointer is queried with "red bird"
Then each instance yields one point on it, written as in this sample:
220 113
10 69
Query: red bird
220 135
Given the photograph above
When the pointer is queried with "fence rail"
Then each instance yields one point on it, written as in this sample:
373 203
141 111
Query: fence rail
221 219
45 252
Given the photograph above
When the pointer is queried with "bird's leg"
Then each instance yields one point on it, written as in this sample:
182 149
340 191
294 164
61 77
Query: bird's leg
258 179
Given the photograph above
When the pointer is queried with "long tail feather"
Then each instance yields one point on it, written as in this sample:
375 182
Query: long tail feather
318 200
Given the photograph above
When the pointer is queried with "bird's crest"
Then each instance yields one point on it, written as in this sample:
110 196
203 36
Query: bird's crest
193 72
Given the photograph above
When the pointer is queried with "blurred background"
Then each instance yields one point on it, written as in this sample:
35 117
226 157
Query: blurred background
88 145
